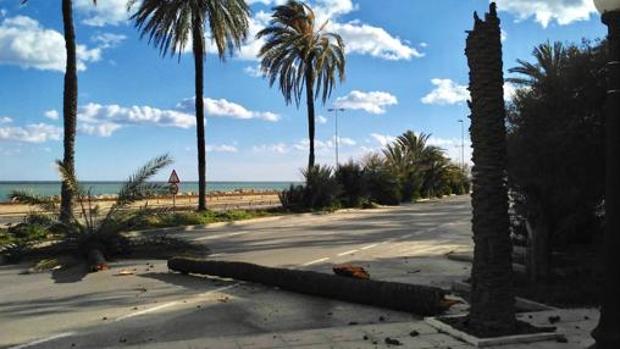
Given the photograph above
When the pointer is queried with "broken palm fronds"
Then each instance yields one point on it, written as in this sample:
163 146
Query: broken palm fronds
418 299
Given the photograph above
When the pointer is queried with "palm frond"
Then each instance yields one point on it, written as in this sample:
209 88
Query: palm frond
30 199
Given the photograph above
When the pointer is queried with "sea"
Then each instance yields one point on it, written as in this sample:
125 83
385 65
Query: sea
51 188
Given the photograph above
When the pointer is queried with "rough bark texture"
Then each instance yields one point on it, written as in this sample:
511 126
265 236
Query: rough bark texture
492 298
422 300
199 53
311 121
70 95
607 334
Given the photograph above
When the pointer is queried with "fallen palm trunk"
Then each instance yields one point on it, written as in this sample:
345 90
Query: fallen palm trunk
422 300
96 261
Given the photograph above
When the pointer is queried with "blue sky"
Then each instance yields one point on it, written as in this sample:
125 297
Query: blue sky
406 70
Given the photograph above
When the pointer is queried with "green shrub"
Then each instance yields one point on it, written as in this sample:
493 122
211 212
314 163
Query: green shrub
322 189
293 199
384 187
352 181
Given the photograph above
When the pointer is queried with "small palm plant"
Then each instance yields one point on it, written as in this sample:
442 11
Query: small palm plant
92 232
299 54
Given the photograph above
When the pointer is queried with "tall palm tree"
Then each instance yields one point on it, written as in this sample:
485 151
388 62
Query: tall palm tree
70 96
492 298
299 54
171 24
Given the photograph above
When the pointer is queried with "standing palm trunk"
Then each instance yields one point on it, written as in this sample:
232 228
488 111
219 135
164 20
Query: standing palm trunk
492 298
70 95
301 55
169 24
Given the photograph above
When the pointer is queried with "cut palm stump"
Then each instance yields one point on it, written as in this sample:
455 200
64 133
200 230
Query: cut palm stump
417 299
351 271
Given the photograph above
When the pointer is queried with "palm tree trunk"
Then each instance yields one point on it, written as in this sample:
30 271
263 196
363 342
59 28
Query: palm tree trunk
492 299
311 121
198 47
69 109
606 333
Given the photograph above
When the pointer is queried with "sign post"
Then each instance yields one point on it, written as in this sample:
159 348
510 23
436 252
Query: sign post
174 186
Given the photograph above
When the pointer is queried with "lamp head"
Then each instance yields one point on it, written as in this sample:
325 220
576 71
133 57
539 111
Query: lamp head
604 6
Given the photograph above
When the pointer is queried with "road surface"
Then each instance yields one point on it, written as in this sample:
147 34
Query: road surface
68 308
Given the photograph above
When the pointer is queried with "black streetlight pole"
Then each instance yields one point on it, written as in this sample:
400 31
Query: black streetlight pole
607 334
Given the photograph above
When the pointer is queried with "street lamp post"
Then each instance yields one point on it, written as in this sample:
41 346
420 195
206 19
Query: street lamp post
336 140
462 143
607 333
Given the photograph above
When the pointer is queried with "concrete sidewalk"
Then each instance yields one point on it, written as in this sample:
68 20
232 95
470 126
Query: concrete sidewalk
574 324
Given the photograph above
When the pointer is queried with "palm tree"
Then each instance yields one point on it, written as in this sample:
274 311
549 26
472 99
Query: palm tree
70 96
171 24
299 54
492 298
546 71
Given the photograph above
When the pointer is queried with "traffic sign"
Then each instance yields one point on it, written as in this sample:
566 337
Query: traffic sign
174 189
174 178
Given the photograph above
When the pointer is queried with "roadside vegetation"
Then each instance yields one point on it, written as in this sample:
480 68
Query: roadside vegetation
407 170
91 234
556 152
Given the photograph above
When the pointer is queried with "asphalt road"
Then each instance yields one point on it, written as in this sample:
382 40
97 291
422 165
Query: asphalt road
68 308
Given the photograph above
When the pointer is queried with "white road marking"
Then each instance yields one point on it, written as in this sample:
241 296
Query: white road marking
146 311
369 246
43 340
347 253
171 304
218 254
407 236
213 237
315 262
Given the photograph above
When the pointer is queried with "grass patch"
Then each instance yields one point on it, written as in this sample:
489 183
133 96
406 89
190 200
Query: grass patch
175 219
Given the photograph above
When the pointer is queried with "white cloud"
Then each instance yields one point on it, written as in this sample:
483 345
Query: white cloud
5 120
33 133
107 12
25 43
321 119
321 145
109 118
224 108
278 148
360 38
365 39
52 114
254 71
105 129
545 11
222 148
108 40
382 139
446 92
371 102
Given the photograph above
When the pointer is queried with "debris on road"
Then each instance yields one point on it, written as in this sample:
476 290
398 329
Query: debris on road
352 271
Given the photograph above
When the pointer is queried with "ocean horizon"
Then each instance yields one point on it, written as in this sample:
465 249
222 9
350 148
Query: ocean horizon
52 188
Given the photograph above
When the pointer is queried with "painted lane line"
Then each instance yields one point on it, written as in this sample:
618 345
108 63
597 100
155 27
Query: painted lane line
369 246
213 237
146 311
171 304
43 340
407 236
347 253
315 262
